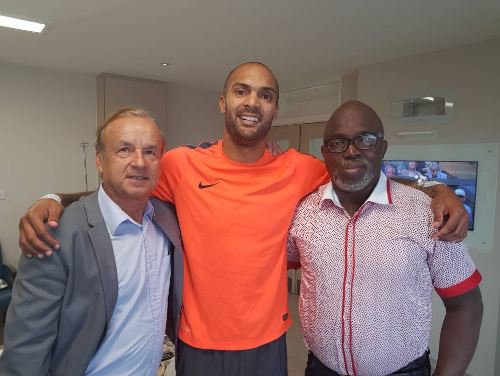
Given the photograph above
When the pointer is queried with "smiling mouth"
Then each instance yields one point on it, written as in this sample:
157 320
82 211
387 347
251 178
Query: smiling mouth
138 177
249 119
353 169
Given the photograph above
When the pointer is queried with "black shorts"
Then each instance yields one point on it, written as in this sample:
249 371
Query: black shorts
266 360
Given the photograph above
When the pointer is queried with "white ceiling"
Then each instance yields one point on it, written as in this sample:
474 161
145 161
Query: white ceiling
305 42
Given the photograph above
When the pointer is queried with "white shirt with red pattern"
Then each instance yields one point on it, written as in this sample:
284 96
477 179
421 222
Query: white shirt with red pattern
367 280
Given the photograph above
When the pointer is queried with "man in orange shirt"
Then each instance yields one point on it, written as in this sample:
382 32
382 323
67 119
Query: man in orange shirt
235 202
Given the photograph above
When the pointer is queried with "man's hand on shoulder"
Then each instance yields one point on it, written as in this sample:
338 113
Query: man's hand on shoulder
274 147
450 216
34 237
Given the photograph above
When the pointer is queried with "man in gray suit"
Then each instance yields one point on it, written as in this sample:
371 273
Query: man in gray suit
99 306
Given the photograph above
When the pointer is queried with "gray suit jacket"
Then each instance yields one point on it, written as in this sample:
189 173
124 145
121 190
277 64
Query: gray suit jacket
62 305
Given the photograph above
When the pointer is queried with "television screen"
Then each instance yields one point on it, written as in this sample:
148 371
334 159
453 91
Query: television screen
461 177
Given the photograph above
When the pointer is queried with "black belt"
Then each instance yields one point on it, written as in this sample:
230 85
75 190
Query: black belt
418 367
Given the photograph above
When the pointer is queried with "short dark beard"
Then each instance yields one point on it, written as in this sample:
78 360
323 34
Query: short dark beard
359 185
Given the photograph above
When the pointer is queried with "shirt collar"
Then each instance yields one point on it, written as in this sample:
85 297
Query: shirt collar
381 194
114 216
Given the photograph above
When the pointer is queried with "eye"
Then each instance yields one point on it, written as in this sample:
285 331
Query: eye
124 151
239 91
150 152
267 96
338 141
367 139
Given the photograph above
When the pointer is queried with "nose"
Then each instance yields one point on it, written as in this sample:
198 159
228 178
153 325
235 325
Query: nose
252 99
138 159
351 151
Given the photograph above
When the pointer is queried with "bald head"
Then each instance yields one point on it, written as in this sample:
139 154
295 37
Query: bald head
354 150
353 114
244 65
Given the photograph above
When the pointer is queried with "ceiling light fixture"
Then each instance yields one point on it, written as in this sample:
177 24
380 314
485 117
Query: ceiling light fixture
165 64
20 24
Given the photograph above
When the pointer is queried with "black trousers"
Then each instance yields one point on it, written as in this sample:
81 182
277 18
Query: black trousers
419 367
266 360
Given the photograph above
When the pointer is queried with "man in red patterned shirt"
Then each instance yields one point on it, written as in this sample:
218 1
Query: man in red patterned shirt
370 262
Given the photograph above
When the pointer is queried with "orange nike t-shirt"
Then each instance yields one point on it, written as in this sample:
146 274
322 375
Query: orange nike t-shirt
234 219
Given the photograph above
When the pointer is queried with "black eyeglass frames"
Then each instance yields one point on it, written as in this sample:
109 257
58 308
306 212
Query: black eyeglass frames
364 141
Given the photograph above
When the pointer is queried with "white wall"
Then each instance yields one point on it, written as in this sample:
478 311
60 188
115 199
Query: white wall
470 77
192 116
45 116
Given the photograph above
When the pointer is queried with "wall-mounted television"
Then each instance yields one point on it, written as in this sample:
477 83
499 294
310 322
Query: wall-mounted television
459 176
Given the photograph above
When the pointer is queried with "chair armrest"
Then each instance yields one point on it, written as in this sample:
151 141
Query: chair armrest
8 272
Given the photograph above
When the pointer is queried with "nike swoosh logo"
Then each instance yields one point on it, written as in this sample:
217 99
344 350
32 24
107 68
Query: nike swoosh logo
203 186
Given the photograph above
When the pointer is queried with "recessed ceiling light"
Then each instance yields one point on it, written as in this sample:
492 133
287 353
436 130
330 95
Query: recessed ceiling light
165 64
20 24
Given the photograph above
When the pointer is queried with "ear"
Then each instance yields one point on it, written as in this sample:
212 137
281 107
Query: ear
98 163
324 151
384 147
222 104
276 111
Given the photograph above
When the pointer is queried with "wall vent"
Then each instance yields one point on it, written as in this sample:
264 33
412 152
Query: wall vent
420 107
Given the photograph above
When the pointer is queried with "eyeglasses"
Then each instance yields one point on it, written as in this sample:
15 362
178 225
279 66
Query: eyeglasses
364 141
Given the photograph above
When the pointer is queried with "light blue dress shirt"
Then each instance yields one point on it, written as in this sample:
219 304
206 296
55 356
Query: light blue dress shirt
133 341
